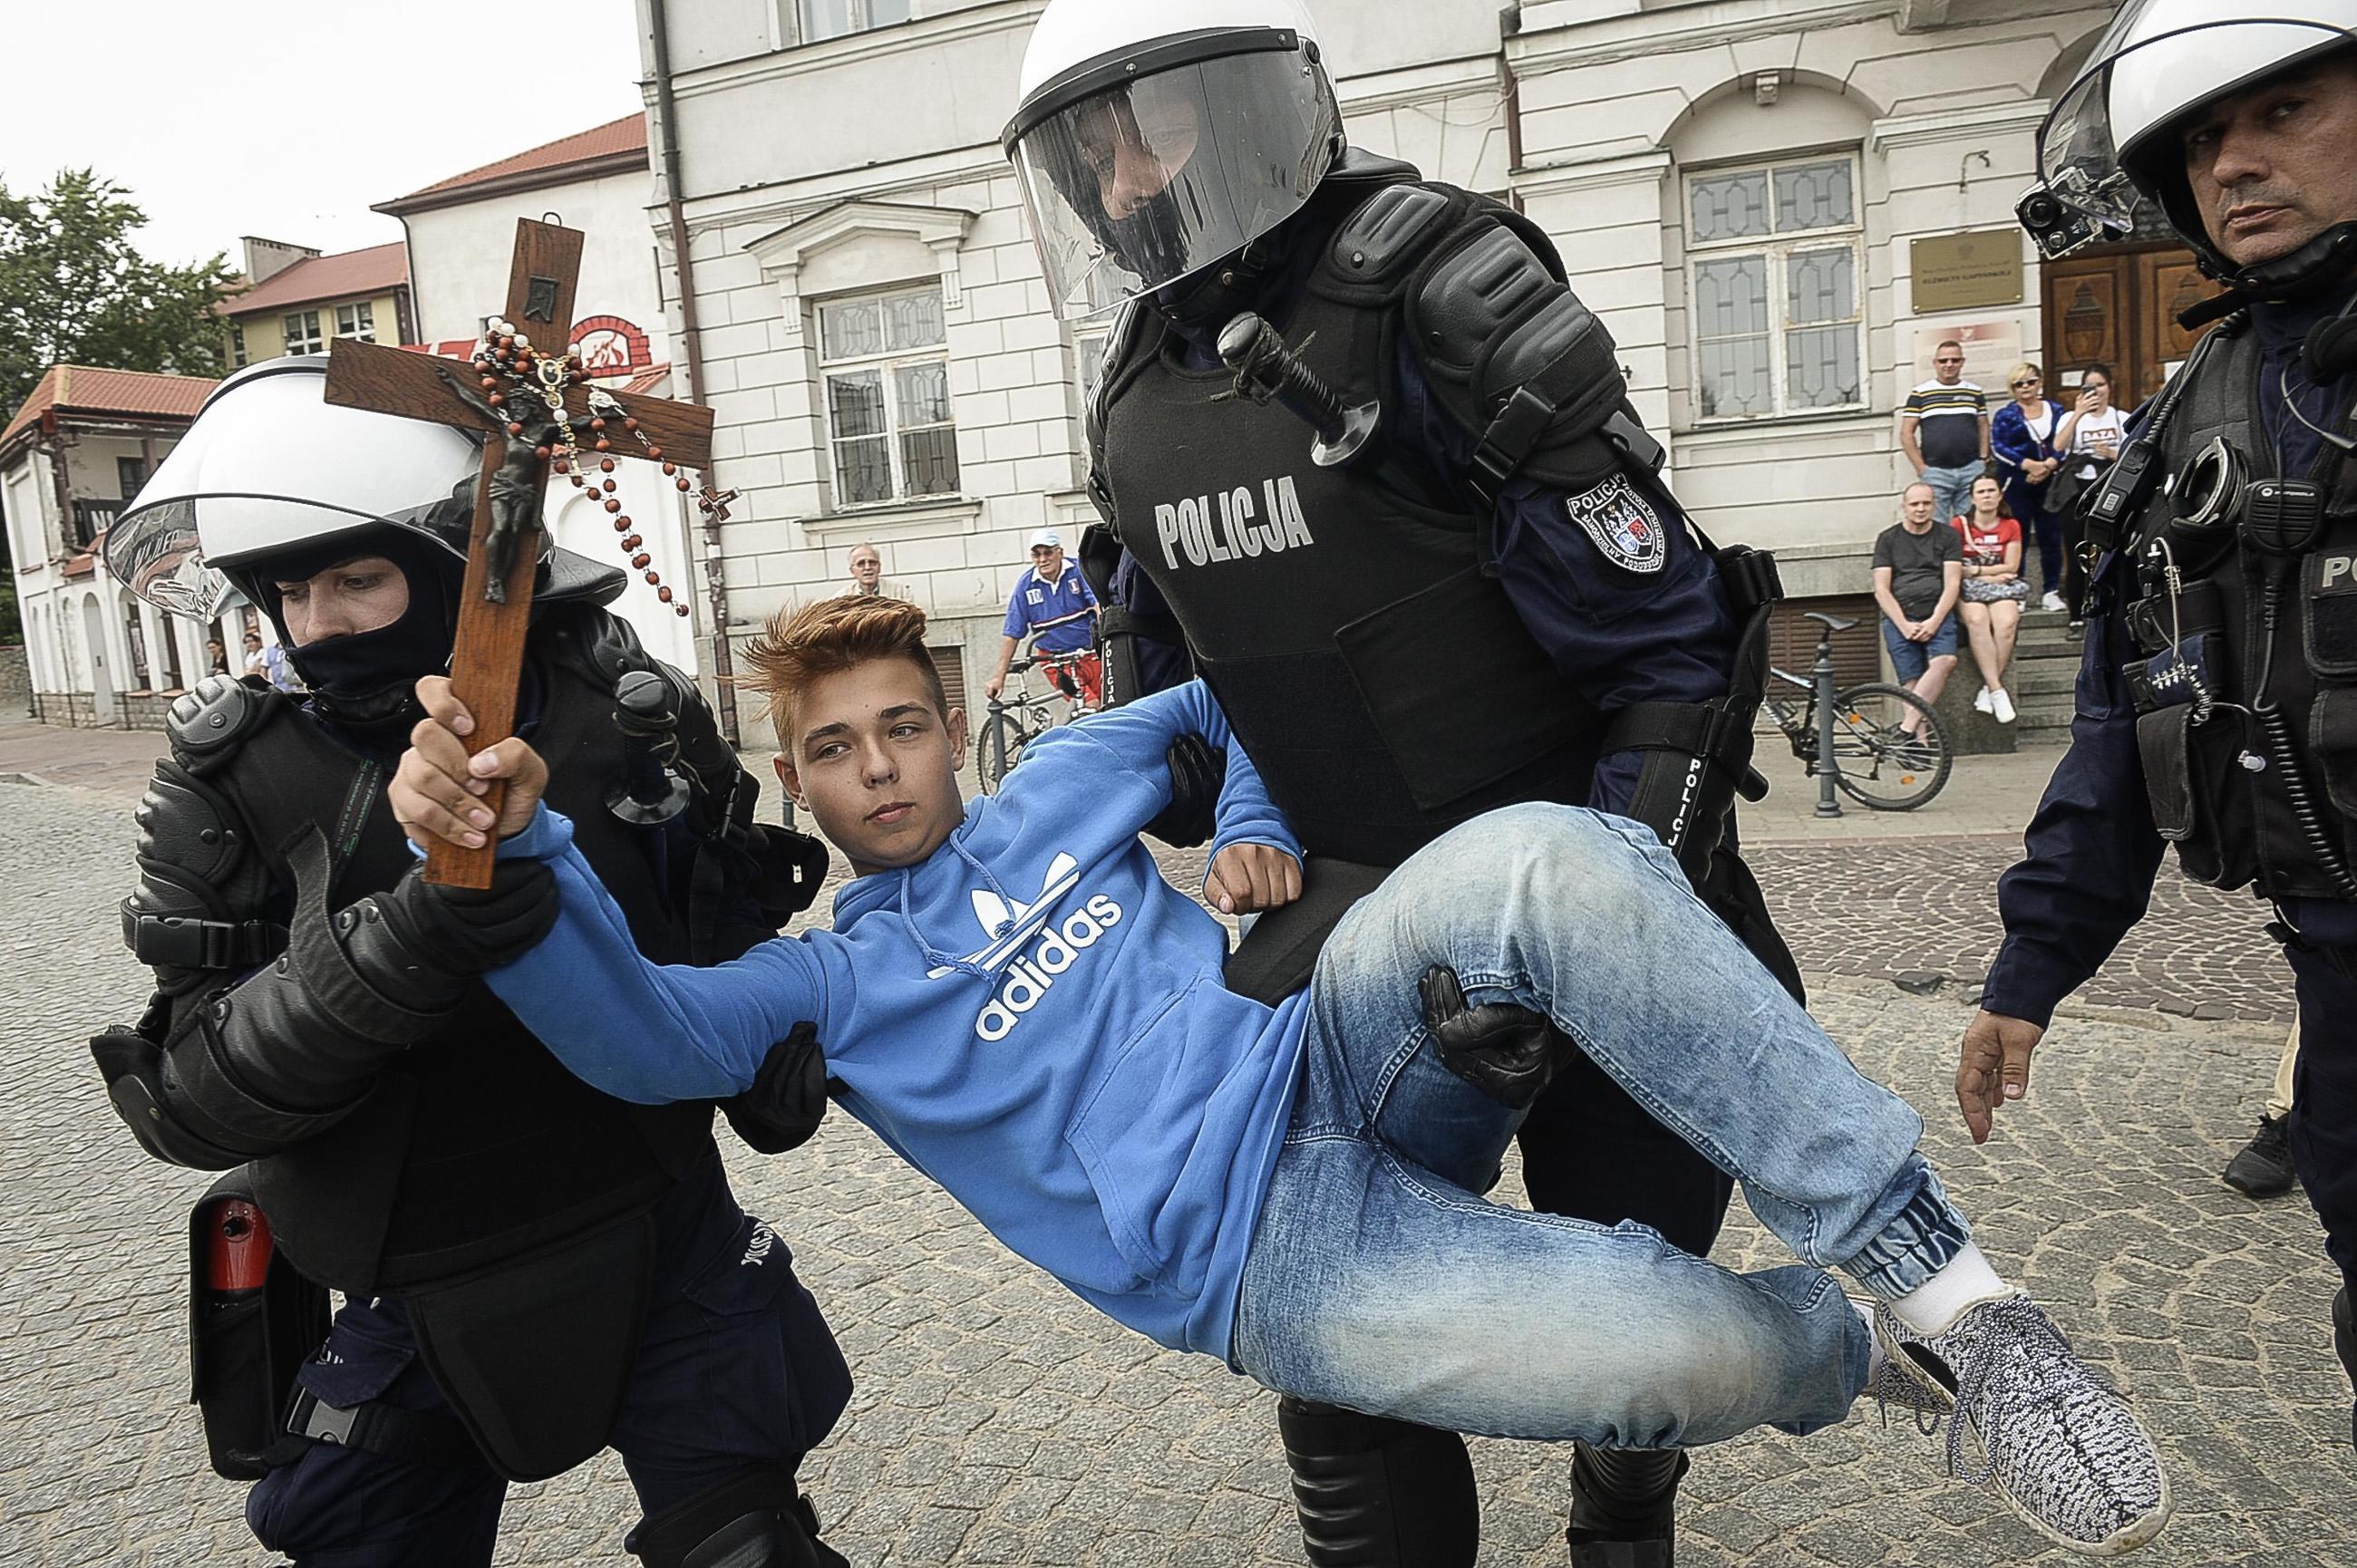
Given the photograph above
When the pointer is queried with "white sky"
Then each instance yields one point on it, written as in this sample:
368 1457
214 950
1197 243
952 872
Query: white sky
287 118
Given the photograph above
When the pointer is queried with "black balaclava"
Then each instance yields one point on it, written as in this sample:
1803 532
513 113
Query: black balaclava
367 680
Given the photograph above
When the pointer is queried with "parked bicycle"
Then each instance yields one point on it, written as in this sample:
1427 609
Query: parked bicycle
1010 723
1888 749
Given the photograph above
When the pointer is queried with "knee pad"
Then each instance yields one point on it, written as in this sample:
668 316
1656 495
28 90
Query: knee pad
1508 1053
755 1520
1624 1506
1375 1493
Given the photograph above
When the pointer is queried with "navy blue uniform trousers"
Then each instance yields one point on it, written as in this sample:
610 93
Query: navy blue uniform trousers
2323 1127
734 1369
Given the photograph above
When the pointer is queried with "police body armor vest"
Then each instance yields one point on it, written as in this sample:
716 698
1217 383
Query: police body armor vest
2238 813
1383 703
476 1147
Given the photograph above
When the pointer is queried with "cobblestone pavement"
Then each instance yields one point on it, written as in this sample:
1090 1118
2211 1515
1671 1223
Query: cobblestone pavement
998 1421
1923 912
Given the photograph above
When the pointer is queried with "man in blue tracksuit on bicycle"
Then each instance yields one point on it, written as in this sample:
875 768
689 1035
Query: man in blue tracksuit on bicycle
1053 603
1016 1002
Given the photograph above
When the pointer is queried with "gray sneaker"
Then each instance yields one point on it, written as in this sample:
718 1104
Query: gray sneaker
2064 1450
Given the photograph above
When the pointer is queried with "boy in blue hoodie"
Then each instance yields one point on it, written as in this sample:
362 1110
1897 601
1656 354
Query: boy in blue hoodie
1016 1001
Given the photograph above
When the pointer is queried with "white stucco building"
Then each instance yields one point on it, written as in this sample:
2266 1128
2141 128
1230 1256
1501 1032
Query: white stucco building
1738 187
79 446
461 238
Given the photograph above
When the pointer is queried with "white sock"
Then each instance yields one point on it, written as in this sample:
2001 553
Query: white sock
1874 1355
1933 1306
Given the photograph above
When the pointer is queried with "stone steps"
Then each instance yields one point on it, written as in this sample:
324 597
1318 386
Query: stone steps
2045 670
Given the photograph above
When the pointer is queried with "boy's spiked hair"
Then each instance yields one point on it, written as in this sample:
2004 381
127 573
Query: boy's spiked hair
828 638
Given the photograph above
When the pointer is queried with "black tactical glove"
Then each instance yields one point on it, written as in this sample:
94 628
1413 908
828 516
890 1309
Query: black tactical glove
440 936
1196 776
1509 1053
788 1100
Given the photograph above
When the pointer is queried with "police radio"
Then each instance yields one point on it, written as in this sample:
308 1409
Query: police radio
2122 492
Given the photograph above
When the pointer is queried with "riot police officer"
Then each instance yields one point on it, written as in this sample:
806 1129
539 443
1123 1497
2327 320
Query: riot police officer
532 1269
2217 702
1441 578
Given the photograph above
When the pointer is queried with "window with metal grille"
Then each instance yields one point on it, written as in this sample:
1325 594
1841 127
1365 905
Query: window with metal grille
1775 256
833 18
1088 347
888 397
301 332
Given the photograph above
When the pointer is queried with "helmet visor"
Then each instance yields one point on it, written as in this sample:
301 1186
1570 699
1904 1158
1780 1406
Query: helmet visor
269 466
1139 184
2106 136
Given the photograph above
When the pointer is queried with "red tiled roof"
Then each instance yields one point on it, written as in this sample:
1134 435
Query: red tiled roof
622 142
348 274
84 389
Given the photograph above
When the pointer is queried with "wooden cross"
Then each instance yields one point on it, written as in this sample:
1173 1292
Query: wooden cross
486 661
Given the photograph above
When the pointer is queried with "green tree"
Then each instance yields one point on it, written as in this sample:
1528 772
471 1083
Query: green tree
73 290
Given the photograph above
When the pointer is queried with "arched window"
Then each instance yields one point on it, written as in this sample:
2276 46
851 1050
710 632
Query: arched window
1775 253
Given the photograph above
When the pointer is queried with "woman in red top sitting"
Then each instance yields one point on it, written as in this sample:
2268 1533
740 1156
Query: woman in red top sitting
1993 592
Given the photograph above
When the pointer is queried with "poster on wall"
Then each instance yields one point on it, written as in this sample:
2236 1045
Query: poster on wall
1991 349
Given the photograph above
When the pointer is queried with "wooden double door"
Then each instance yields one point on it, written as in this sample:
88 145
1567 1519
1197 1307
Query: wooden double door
2118 306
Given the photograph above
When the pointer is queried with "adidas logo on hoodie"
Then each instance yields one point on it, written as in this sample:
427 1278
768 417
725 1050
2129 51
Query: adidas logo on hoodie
1007 925
1029 978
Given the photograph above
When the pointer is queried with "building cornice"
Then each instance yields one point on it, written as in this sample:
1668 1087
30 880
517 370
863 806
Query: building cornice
941 230
1566 33
1563 178
2024 115
875 43
625 162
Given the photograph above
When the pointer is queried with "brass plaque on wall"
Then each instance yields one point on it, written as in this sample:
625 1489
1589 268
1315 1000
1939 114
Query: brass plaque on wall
1963 271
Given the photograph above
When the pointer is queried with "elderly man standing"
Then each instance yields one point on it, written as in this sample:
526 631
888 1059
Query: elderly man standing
1053 604
868 579
2217 701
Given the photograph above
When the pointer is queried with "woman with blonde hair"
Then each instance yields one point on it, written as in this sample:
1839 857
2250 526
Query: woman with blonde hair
2022 435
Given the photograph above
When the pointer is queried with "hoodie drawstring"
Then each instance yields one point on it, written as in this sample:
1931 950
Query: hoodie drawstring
931 955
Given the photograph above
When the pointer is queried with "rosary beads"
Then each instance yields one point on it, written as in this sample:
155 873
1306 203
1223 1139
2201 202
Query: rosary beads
509 365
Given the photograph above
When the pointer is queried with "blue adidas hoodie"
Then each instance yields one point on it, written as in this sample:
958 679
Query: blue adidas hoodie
1032 1016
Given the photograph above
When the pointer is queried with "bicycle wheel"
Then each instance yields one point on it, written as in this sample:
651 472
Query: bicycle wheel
996 749
1876 762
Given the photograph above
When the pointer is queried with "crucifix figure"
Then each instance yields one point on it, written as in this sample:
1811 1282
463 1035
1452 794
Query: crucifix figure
534 402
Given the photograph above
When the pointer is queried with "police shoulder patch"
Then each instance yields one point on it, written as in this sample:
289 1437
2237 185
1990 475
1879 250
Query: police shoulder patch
1622 523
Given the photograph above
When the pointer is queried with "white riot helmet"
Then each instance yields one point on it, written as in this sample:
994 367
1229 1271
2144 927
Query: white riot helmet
1154 141
2113 133
270 466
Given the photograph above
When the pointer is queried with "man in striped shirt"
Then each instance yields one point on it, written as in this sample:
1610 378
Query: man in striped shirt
1944 431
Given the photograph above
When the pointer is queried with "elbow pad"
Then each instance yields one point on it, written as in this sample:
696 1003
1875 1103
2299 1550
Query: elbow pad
301 1041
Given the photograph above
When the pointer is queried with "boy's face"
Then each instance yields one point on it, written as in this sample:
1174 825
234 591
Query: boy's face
871 757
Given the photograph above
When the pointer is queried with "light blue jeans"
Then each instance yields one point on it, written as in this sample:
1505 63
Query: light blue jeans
1381 1279
1953 488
